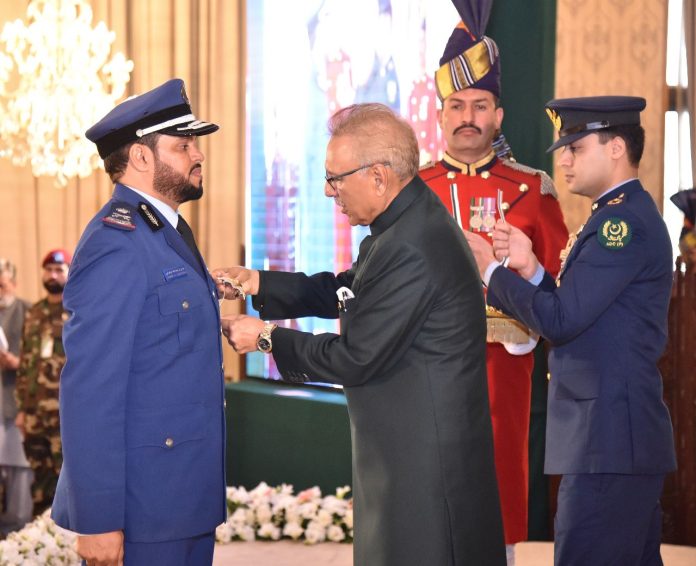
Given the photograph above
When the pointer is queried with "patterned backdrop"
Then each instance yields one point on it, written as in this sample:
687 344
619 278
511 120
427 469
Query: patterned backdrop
614 47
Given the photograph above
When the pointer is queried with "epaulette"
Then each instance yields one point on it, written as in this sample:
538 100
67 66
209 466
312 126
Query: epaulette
120 216
547 187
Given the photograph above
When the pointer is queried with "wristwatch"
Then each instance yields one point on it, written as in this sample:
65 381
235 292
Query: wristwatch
263 342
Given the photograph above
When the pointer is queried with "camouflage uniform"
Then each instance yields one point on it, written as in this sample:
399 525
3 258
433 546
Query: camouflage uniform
41 361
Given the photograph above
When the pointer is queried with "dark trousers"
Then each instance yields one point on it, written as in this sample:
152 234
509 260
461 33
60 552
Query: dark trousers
194 551
608 520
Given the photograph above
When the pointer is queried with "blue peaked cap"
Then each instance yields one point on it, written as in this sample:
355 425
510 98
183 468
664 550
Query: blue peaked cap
165 109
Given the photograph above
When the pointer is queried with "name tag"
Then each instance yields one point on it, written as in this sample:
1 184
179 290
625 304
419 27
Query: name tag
172 273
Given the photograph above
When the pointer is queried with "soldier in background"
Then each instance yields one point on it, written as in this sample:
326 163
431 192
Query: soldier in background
41 361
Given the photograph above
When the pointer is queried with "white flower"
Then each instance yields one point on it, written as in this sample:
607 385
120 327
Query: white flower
341 492
247 533
324 518
269 530
292 514
308 510
293 530
334 505
335 533
315 533
348 519
263 514
224 533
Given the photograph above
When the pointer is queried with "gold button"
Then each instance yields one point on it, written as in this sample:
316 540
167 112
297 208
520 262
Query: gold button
505 206
224 403
524 187
451 175
485 175
185 305
548 376
169 443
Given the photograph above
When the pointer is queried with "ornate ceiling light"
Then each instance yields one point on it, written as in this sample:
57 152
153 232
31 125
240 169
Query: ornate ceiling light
56 80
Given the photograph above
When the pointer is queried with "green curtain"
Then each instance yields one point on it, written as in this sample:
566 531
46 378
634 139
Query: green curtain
526 35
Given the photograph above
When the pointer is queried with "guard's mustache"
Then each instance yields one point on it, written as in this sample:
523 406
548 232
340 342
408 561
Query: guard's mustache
467 125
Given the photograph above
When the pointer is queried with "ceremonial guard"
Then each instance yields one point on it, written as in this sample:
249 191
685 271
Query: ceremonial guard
478 187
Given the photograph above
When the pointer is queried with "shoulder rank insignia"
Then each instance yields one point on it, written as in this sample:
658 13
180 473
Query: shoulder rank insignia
617 200
121 216
546 188
614 234
150 216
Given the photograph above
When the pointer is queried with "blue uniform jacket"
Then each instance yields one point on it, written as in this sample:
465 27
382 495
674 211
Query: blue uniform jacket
141 394
607 326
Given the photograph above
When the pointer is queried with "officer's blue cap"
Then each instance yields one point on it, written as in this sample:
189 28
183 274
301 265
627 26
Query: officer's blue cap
165 110
575 118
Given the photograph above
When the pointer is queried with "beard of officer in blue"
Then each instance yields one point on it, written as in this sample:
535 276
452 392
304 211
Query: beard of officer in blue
175 186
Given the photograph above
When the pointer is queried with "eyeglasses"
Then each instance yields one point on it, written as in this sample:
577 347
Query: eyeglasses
338 179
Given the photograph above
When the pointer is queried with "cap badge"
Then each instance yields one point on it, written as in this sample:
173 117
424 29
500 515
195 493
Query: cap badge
555 119
614 234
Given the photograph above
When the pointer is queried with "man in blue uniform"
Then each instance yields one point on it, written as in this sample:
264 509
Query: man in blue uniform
609 432
141 394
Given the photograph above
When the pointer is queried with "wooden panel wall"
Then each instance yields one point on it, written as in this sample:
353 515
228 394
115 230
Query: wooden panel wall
614 47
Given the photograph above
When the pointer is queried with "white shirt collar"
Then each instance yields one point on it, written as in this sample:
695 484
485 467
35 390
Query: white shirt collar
171 215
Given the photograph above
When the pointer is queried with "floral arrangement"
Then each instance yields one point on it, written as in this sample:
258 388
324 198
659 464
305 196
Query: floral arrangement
264 513
40 543
272 513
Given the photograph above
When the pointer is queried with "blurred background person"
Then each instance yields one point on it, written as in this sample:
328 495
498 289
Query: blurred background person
15 473
41 361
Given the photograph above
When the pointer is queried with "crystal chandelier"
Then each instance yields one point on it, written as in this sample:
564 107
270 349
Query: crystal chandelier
55 82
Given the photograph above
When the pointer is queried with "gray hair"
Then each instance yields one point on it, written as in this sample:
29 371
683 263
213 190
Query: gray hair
6 266
381 136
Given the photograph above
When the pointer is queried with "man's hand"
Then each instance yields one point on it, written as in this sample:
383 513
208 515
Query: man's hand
104 549
514 244
19 422
8 360
242 331
483 251
248 280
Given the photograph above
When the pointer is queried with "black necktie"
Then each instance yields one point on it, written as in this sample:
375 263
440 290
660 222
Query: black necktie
185 230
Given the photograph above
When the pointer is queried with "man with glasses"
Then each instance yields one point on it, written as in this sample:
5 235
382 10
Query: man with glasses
410 354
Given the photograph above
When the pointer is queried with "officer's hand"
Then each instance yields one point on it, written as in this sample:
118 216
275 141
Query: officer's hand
483 251
104 549
19 423
247 280
510 242
242 331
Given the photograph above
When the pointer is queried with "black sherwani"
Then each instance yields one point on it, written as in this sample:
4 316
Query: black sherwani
411 356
